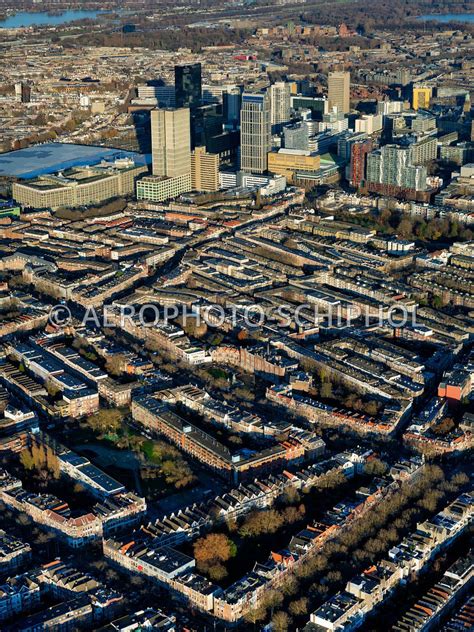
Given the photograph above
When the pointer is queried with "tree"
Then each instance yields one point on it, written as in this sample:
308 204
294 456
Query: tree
280 621
298 607
105 420
259 522
255 615
383 219
326 390
331 480
405 228
375 467
244 393
42 458
293 514
443 426
27 460
460 479
437 302
116 364
217 572
177 473
272 599
290 496
371 408
213 549
192 327
290 585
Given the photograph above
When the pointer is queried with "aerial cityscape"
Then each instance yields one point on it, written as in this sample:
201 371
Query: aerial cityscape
236 315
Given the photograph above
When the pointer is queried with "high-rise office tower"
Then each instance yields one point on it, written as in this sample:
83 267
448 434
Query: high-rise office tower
339 91
171 142
22 92
188 88
206 122
204 170
164 95
232 103
171 153
318 106
280 103
421 97
255 132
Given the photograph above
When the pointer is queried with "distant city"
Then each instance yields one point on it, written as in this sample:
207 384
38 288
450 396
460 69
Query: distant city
236 316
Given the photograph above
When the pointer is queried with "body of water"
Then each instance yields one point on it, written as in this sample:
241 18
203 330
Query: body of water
37 19
449 17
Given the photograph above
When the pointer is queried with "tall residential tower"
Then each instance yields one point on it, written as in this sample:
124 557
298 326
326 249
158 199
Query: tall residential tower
280 103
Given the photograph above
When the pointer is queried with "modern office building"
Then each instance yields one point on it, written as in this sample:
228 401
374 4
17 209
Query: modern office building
296 136
204 170
460 154
212 93
255 131
339 91
424 123
226 145
171 151
22 92
159 188
345 142
421 98
287 162
163 95
280 104
334 121
171 142
188 87
369 123
80 186
207 122
232 103
317 105
389 107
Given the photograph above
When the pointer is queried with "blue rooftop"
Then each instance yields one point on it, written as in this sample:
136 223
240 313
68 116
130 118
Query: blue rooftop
51 157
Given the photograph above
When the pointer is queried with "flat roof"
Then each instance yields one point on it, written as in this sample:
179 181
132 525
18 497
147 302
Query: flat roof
52 157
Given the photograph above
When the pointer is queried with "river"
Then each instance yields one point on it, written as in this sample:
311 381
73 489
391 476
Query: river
448 17
24 18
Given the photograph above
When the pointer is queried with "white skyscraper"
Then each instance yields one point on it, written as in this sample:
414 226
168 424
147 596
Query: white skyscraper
255 132
280 103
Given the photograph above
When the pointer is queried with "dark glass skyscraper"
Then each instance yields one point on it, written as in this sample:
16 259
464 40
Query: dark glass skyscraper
187 80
